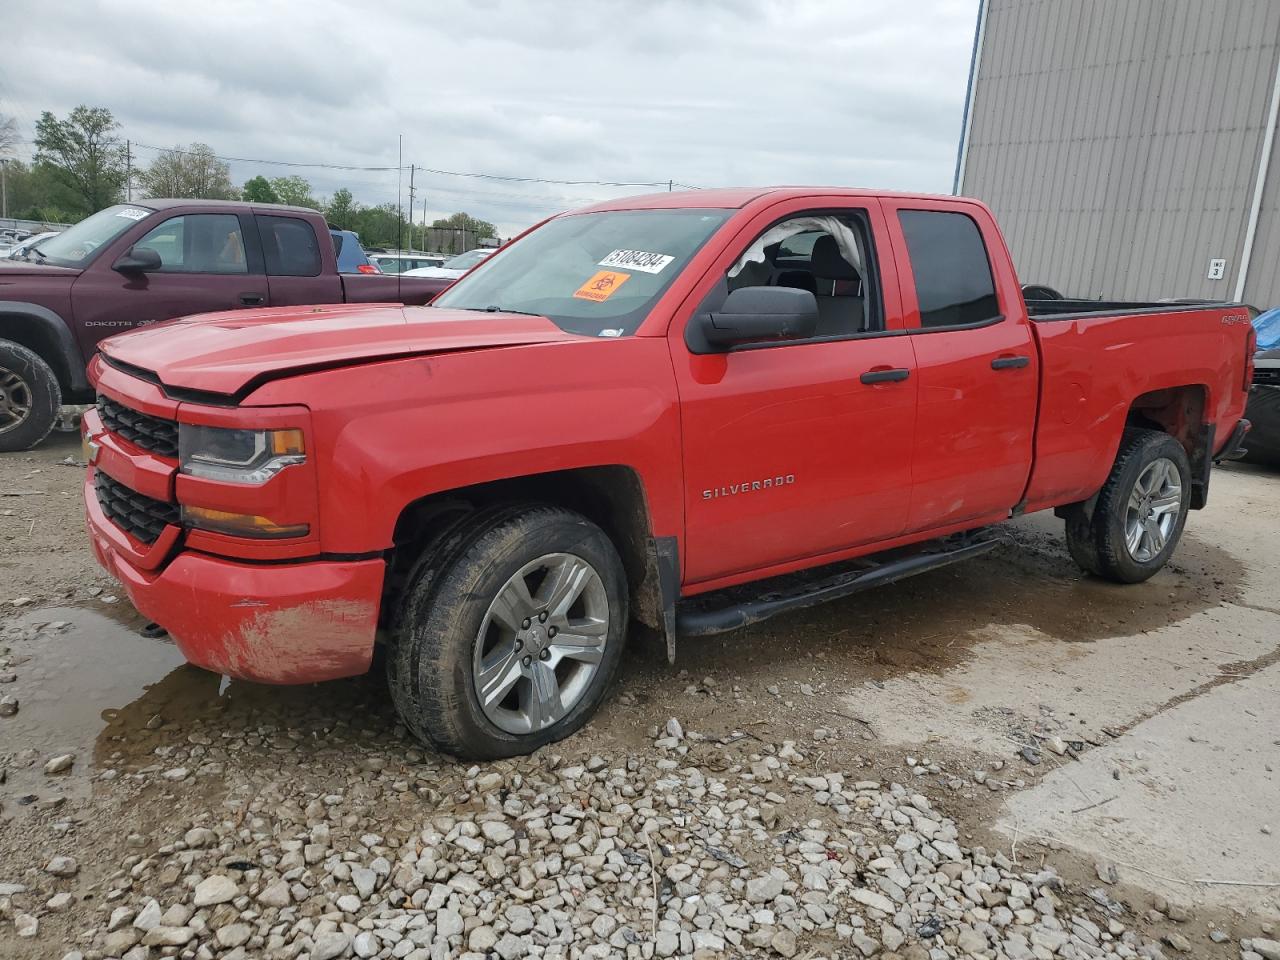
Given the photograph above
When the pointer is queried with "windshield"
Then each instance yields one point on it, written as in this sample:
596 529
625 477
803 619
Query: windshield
591 273
465 261
75 246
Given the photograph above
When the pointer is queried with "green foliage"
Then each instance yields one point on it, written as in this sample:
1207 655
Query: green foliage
35 193
191 173
464 221
259 190
86 155
341 210
295 191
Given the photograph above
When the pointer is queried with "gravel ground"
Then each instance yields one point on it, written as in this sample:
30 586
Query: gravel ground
781 792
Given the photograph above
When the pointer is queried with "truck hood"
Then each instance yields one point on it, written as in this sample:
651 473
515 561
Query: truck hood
11 270
230 352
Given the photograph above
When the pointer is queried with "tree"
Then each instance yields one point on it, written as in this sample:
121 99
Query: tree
341 209
294 191
191 173
259 190
86 153
464 221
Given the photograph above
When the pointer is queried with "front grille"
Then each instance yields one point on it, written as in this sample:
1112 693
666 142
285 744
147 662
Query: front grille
136 514
1267 377
151 433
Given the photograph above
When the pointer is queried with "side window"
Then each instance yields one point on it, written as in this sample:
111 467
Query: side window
198 243
953 275
289 246
830 256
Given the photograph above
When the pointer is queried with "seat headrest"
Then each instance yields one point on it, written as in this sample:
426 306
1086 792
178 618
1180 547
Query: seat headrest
827 261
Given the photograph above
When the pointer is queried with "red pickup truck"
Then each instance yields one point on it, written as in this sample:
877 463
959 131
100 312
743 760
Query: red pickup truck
136 263
696 410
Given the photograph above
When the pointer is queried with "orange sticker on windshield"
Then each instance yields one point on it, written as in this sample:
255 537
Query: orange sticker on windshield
602 286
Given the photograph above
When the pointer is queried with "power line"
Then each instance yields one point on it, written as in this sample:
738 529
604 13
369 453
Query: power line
446 173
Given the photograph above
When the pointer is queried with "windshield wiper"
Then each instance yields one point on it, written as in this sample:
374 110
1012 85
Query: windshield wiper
493 308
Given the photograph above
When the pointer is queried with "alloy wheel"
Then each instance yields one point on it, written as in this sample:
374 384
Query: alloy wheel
1155 503
540 643
15 400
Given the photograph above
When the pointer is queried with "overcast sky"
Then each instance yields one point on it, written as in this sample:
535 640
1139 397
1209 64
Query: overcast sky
703 92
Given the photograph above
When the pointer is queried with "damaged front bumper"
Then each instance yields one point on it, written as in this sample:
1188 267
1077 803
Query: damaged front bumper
284 623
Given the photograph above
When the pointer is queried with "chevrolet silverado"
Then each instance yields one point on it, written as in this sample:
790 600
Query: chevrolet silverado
696 410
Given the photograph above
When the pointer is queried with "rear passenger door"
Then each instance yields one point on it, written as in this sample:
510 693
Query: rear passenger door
977 363
300 269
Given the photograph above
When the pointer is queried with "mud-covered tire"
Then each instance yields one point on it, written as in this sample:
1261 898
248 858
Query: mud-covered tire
1098 542
1262 442
27 384
432 663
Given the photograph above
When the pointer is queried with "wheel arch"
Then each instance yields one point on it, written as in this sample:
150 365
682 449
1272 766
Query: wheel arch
1180 411
46 334
612 496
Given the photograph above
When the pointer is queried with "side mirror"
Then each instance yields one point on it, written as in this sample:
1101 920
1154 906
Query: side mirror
138 260
752 314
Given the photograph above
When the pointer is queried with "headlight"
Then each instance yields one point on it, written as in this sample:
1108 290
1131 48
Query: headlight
237 456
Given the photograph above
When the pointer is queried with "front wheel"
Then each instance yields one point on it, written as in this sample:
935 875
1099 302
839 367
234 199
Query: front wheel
1140 512
29 397
509 633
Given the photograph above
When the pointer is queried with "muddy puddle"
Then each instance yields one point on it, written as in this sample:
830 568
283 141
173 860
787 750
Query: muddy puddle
90 684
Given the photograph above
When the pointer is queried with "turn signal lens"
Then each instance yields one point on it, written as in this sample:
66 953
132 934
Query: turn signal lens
240 524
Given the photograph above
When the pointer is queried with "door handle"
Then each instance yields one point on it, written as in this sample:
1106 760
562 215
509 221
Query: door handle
252 299
1010 363
886 375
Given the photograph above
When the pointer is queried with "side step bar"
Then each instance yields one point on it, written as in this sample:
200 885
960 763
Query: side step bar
700 622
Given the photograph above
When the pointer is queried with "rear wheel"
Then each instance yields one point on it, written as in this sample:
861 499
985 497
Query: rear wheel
509 633
29 398
1140 512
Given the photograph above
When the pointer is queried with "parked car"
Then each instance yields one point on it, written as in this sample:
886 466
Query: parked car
1264 400
136 264
351 256
655 408
19 250
393 262
455 267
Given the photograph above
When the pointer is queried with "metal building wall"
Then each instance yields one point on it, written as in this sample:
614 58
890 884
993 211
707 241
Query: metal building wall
1118 142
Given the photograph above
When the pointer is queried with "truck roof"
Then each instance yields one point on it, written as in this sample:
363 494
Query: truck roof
164 203
735 197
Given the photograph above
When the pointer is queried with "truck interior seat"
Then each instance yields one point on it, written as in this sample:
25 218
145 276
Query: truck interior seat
841 306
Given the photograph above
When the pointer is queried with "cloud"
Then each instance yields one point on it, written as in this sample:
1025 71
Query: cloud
704 92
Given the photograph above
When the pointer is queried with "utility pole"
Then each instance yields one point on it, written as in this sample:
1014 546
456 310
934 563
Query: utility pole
4 188
411 169
128 170
424 222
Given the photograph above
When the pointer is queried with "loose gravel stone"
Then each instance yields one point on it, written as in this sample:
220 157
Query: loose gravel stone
215 889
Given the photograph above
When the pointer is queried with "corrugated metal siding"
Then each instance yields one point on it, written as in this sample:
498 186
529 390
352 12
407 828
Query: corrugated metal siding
1118 140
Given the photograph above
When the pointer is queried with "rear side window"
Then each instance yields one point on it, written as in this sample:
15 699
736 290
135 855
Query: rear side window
289 246
954 285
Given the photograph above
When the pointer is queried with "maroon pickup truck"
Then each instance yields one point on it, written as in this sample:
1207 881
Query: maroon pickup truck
138 263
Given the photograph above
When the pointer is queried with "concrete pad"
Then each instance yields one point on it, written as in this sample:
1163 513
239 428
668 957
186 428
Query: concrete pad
1198 786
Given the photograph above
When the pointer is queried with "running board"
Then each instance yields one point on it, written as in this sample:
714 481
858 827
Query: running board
697 622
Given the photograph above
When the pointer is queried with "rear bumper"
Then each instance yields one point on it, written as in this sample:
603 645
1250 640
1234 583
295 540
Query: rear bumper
283 623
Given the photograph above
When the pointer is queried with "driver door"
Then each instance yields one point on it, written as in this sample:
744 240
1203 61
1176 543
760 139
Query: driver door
796 450
206 266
